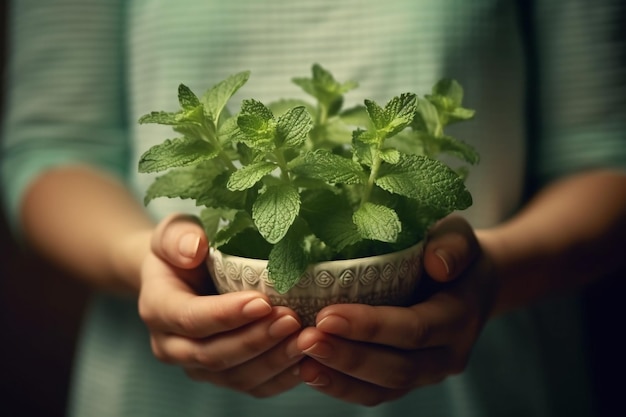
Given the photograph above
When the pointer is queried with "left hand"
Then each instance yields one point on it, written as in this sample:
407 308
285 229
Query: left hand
368 355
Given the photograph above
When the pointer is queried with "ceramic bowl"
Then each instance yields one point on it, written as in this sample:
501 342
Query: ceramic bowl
389 279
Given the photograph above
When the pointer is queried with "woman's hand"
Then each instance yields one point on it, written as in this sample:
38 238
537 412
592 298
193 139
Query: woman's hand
235 340
368 355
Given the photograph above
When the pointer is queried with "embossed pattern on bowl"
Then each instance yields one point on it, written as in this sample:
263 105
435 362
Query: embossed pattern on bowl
389 279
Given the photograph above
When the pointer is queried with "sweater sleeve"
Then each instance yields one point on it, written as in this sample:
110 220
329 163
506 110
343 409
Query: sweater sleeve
64 91
581 74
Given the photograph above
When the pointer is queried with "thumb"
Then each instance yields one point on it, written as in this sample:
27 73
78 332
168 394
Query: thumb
451 246
180 240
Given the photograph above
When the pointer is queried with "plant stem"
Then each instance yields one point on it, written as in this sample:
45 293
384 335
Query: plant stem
282 164
372 178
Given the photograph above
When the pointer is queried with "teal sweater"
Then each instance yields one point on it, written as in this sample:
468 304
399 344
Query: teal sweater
547 83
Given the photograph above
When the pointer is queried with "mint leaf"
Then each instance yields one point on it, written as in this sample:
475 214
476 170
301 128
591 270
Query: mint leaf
257 124
427 180
427 119
198 180
275 210
215 99
330 218
247 176
159 117
329 167
377 222
394 117
287 263
281 107
456 147
211 219
293 127
175 153
448 93
390 155
236 225
218 195
187 98
323 85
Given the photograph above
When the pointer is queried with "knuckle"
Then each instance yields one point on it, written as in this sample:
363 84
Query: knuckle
418 334
158 352
146 313
186 319
209 362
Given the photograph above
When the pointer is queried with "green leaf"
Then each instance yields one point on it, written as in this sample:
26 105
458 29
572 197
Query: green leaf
175 153
329 167
390 155
323 86
281 107
287 263
397 114
187 98
215 99
193 115
448 92
377 222
377 114
257 124
218 195
427 119
427 180
460 114
185 183
211 219
293 127
458 148
238 224
159 117
247 176
330 218
275 210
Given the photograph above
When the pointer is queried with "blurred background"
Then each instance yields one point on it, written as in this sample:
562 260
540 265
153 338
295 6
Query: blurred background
41 308
40 313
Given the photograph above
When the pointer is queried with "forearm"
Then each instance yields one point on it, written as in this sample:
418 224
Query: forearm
571 234
90 224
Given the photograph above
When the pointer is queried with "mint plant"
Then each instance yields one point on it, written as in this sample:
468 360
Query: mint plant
296 182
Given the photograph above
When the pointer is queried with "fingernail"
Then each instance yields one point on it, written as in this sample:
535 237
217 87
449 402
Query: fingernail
189 244
283 326
320 381
334 324
445 259
292 350
256 308
319 350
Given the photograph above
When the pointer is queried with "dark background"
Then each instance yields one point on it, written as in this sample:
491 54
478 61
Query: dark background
40 313
41 308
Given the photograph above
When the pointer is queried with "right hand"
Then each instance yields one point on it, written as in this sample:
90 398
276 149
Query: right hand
236 340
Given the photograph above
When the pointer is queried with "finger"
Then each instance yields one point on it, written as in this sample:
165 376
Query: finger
451 246
168 306
268 374
431 323
384 367
345 387
180 240
230 349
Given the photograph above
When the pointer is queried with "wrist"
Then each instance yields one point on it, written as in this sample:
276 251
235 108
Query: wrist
126 259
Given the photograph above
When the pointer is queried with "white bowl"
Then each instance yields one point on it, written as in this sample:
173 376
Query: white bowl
389 279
